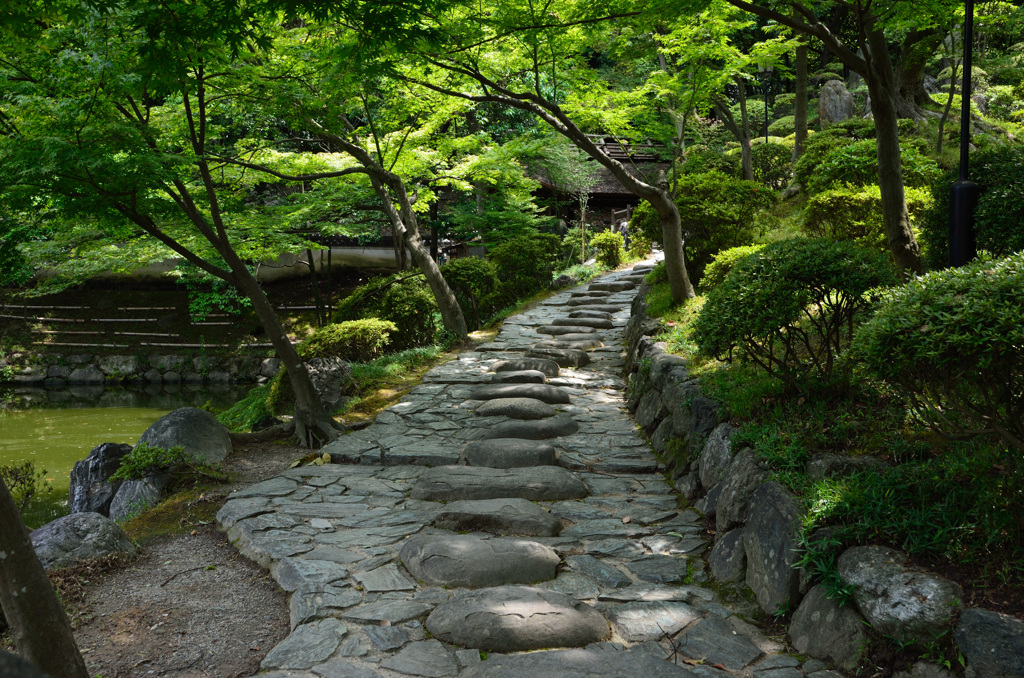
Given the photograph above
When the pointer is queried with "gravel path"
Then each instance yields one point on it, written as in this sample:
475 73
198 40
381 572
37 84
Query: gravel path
507 504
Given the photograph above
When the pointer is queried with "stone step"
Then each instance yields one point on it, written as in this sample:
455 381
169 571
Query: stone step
516 408
616 286
476 562
564 357
597 662
552 395
594 306
547 367
509 453
517 619
596 323
519 377
603 315
589 294
540 429
561 342
537 483
587 301
556 330
499 516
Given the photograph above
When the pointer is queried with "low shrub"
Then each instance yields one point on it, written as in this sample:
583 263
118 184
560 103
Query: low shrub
470 279
24 481
950 342
857 163
772 164
353 340
783 127
790 309
700 159
640 246
402 298
855 213
524 264
784 105
723 263
820 145
608 247
145 461
999 173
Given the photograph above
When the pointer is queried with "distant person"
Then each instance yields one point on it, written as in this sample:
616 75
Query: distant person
624 232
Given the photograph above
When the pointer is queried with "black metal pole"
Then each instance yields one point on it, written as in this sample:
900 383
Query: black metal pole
964 194
766 85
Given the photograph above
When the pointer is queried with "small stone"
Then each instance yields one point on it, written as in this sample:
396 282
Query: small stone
823 629
515 408
728 560
426 658
386 578
306 646
339 668
643 621
660 569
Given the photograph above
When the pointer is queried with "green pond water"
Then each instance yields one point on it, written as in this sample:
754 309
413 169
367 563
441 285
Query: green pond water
54 435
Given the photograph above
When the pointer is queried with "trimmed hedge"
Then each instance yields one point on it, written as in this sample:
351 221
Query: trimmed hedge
353 340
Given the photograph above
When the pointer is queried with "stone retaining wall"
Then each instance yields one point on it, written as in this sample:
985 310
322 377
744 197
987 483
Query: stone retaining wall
757 521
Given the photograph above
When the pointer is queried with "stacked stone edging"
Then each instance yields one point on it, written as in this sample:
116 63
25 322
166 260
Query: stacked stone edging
757 523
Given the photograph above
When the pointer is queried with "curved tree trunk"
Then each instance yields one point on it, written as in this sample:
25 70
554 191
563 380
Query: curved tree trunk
882 89
800 111
671 237
39 627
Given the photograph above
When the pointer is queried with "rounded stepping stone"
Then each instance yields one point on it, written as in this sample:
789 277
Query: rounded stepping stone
564 357
517 619
548 367
545 392
541 429
555 330
590 294
596 323
603 315
538 483
499 516
592 306
579 344
476 562
516 408
587 301
509 453
520 377
613 287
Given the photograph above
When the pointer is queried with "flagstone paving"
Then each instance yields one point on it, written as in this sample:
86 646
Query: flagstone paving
506 504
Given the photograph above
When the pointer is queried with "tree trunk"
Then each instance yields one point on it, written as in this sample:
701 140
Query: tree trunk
882 89
744 137
947 107
800 112
39 627
671 238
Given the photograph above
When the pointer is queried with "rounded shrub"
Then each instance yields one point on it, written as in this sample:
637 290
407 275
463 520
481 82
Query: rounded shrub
784 104
783 127
723 263
772 164
950 341
700 159
999 173
353 340
790 309
855 213
857 163
640 246
608 247
470 279
402 298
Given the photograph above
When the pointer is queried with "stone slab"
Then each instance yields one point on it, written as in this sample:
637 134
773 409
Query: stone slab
519 377
538 429
509 453
474 562
547 367
515 408
552 395
541 483
498 516
564 357
642 621
586 663
596 323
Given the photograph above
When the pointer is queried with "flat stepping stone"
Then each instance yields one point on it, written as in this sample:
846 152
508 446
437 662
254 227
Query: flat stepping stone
517 619
613 287
426 658
509 453
555 330
642 621
520 377
601 315
563 357
540 429
589 294
596 323
516 408
474 562
499 516
538 483
583 304
547 367
592 663
545 392
562 342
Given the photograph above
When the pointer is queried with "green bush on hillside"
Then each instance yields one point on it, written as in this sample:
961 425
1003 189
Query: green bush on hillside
723 263
855 213
608 247
857 163
950 341
402 298
820 145
783 127
771 162
353 340
701 159
790 309
470 279
784 104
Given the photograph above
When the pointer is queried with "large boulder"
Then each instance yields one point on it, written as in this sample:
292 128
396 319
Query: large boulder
992 644
81 536
91 490
135 496
824 629
897 599
203 437
770 541
835 103
745 474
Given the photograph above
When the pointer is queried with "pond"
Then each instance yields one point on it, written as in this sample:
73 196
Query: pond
54 429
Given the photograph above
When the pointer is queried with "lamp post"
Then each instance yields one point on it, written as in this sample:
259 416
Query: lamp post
964 194
765 69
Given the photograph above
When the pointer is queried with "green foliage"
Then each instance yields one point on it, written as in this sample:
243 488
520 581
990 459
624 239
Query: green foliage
723 262
950 342
145 461
208 294
857 163
640 246
609 248
784 105
855 213
524 264
819 146
790 309
402 298
783 127
772 164
470 279
999 173
352 340
24 482
701 159
1004 102
257 406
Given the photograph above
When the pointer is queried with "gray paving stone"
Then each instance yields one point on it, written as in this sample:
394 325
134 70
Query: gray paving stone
557 330
547 367
545 392
509 453
293 573
426 658
539 483
642 621
473 562
517 618
575 585
595 323
599 315
306 646
393 611
602 573
584 663
387 637
615 548
540 429
660 569
386 578
339 668
567 342
310 603
516 408
519 377
617 286
498 516
715 641
602 528
564 357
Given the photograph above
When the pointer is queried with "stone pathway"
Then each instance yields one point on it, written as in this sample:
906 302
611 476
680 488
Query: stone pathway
506 504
